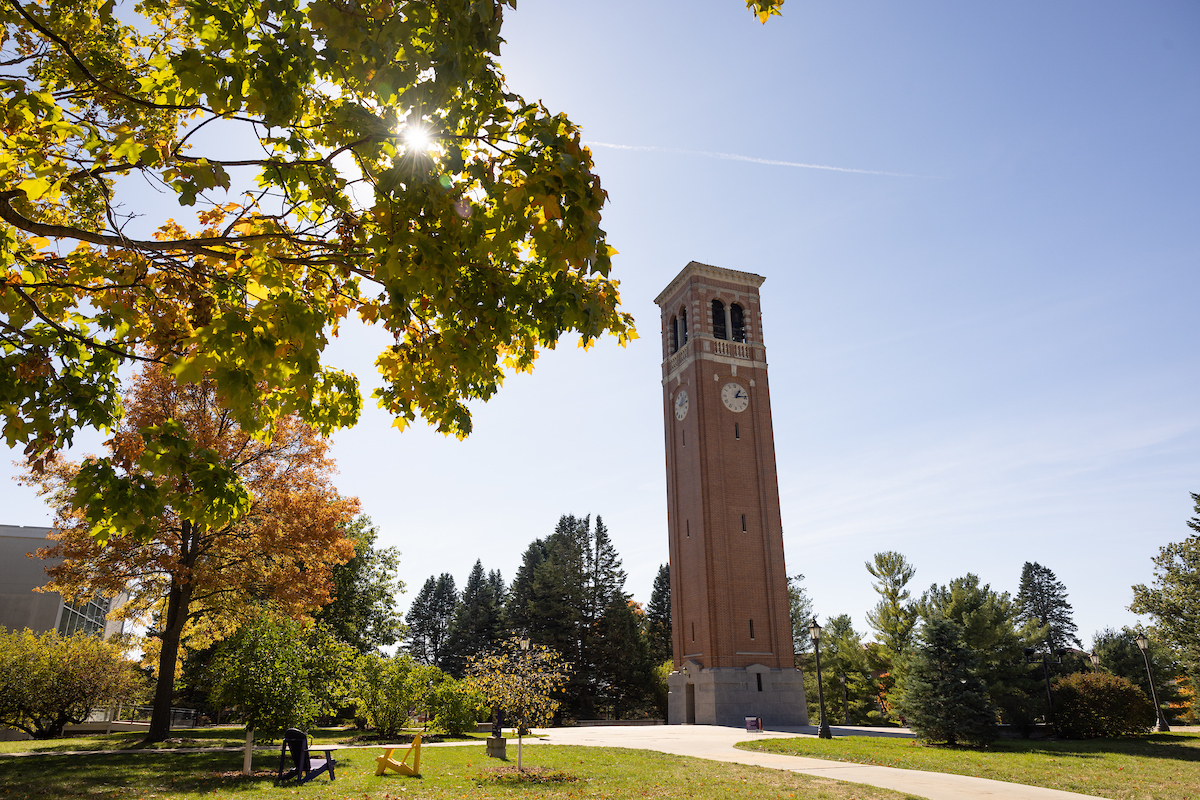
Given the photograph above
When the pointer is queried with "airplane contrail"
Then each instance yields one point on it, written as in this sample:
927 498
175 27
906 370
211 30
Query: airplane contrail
751 159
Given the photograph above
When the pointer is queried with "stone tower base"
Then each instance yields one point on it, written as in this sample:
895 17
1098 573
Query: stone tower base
727 695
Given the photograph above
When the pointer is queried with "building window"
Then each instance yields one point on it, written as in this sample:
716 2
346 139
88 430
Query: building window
737 434
674 334
693 631
687 526
758 675
86 617
738 321
683 328
751 629
718 312
684 433
744 528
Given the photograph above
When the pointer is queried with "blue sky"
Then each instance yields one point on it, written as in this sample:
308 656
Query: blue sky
991 363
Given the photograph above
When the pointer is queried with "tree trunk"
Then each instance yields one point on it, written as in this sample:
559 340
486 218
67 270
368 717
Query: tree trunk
248 758
178 600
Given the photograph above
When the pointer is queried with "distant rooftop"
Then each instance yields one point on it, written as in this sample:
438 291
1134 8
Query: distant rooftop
25 531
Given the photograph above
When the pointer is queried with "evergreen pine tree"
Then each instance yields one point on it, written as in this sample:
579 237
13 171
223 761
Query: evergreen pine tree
988 620
518 611
416 641
606 578
800 606
561 606
944 700
1042 599
496 581
623 666
892 619
475 627
843 654
658 618
429 619
560 593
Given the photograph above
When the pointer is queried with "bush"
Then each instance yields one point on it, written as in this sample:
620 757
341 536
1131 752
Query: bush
456 708
49 681
280 673
383 693
1088 705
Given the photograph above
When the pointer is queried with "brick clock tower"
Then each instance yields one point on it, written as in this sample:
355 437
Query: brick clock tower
729 605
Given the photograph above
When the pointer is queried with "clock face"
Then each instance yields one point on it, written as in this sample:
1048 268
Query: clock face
681 405
735 398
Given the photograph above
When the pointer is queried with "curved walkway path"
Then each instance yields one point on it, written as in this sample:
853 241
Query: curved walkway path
716 743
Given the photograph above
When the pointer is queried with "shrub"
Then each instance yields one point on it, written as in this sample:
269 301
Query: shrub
382 690
1088 705
456 708
49 681
280 673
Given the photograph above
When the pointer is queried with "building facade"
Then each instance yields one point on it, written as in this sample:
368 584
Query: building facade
729 605
21 607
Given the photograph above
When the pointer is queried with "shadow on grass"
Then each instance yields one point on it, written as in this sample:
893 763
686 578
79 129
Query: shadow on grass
121 775
1171 746
879 733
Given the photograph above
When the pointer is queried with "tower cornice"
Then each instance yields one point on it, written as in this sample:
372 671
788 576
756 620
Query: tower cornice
696 269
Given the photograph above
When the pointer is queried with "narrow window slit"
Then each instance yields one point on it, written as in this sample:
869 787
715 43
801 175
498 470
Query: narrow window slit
751 629
737 434
759 676
743 523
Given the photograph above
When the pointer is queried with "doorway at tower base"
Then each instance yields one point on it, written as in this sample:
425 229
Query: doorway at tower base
727 695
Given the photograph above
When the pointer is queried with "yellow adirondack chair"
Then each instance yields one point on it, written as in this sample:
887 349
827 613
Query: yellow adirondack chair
386 762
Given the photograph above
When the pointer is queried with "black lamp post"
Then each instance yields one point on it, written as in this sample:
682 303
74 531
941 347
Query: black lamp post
845 698
1144 645
1033 657
814 630
1095 661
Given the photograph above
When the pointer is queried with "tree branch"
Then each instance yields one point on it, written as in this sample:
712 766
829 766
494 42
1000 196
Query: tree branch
87 73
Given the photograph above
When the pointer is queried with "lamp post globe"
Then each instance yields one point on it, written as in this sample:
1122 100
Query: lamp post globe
1095 661
814 632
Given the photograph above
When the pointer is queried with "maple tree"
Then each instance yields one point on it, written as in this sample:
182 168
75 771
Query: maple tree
199 570
342 157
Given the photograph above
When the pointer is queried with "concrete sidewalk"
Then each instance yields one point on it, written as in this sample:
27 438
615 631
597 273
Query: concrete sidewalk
716 744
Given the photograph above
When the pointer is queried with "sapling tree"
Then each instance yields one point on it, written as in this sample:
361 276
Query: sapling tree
520 682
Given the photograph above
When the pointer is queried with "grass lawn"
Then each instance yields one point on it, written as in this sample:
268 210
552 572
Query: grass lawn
447 772
1163 766
224 736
